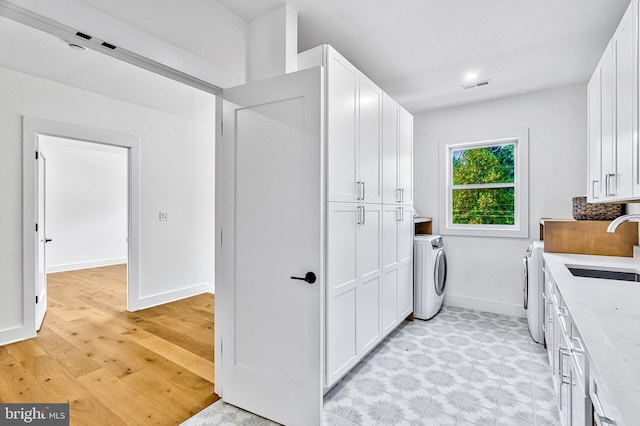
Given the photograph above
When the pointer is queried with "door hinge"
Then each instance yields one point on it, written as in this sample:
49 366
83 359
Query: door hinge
36 155
36 227
36 300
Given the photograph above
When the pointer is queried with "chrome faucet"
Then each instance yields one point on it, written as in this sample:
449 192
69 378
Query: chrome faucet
617 221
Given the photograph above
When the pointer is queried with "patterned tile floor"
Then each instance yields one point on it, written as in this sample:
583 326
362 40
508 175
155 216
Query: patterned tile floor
463 367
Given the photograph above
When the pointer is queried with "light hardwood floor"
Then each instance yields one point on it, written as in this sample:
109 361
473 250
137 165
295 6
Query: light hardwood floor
153 366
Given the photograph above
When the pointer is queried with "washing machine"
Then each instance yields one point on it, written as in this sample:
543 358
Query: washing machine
430 275
533 287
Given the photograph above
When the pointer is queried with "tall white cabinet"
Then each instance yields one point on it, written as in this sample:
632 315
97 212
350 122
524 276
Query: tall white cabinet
613 166
369 212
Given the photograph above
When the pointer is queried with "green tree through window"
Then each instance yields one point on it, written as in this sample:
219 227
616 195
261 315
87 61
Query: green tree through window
483 190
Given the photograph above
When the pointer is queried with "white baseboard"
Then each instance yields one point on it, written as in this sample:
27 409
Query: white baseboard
171 296
85 265
485 305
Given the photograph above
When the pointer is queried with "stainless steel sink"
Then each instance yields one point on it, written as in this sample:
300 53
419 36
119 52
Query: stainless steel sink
628 275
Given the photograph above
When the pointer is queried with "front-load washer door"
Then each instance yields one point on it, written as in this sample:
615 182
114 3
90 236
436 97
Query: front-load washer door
440 272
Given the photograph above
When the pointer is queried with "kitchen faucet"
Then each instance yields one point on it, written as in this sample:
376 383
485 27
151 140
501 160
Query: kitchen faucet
617 221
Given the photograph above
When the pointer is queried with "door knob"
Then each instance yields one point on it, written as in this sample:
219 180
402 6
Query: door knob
309 277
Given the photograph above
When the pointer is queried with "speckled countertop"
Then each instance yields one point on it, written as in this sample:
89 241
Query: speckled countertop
607 314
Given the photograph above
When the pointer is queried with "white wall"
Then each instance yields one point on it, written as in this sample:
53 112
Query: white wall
486 273
86 204
176 175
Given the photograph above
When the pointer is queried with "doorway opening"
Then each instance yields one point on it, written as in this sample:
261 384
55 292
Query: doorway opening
82 220
46 139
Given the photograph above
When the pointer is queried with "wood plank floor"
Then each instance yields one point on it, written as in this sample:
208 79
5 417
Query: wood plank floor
151 367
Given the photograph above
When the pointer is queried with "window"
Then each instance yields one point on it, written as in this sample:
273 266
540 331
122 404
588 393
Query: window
484 185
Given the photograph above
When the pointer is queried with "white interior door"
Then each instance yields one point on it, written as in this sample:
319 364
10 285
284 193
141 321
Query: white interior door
41 236
272 232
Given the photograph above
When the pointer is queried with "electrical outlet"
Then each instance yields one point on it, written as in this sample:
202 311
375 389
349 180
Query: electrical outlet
164 216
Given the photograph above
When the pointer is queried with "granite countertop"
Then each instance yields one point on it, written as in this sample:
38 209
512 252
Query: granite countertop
607 314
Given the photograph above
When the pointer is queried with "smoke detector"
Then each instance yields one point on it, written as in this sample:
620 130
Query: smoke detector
475 84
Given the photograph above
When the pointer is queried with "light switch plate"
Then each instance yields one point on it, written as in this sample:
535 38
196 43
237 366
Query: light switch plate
164 216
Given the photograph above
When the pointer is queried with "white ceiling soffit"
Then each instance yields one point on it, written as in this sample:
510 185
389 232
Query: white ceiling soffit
420 50
90 41
34 52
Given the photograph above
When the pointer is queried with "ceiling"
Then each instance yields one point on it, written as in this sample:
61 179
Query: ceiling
419 51
34 52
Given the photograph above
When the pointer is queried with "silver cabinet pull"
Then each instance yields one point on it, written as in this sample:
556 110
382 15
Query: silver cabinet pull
399 215
364 215
562 352
593 188
364 192
358 190
361 215
607 185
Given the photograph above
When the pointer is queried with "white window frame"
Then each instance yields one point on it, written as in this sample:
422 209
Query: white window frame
520 229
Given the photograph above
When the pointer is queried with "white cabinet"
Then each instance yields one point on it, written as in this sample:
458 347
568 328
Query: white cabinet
369 246
594 107
353 284
405 157
612 116
397 261
567 357
397 153
354 114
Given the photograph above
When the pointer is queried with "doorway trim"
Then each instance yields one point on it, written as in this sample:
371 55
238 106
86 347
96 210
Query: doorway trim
32 128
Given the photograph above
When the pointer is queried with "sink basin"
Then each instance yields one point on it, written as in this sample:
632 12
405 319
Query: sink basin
578 271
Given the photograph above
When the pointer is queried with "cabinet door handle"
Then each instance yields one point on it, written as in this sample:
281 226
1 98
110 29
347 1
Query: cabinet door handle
402 195
564 379
358 191
360 219
608 186
363 191
399 214
593 188
364 215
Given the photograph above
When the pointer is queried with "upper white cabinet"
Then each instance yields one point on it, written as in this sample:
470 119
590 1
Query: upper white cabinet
397 153
369 228
354 114
405 157
613 117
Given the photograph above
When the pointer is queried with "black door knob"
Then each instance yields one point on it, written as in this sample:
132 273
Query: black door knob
309 277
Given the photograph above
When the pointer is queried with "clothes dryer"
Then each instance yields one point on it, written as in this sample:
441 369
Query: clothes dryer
430 275
533 287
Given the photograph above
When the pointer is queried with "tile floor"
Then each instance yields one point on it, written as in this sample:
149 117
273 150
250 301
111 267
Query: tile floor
463 367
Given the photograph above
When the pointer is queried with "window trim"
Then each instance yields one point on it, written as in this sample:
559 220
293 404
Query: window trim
520 184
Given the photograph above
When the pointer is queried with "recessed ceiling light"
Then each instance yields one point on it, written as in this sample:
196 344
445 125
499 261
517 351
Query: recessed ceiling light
470 76
75 46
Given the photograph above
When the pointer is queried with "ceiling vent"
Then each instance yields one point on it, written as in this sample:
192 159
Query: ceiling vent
475 84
